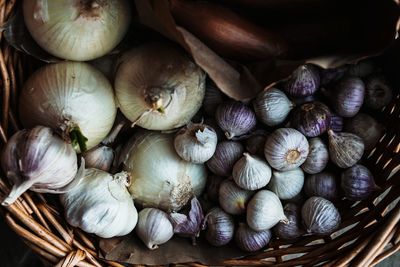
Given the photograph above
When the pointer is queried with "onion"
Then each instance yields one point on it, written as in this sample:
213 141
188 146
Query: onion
158 87
160 178
70 96
77 30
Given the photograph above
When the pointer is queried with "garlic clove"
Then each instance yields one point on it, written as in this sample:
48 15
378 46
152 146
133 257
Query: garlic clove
287 184
232 198
251 172
264 211
286 149
154 227
345 149
100 157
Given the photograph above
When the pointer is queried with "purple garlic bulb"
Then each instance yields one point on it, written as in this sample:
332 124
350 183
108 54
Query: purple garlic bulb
304 81
311 119
358 183
348 96
250 240
322 184
225 156
336 122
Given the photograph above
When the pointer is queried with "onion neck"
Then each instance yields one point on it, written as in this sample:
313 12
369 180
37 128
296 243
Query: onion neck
73 134
158 98
89 8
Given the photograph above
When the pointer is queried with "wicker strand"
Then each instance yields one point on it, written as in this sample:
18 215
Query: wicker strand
36 211
72 259
6 92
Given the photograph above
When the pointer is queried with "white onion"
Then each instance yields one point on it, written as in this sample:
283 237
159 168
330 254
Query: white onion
158 87
160 178
77 29
68 96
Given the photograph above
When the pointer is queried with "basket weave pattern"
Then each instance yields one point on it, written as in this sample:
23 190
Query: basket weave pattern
370 230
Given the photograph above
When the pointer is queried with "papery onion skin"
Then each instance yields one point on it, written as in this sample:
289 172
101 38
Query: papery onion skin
366 127
249 240
321 185
317 158
293 228
358 183
68 94
320 216
160 178
345 149
235 118
225 156
158 87
304 81
311 119
348 96
286 149
77 30
272 106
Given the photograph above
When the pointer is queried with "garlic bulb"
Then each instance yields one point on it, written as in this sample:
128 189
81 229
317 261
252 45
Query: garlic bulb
77 30
232 198
101 204
212 98
165 96
317 158
264 211
100 158
358 183
320 216
249 240
321 184
220 227
287 184
293 227
154 227
39 160
272 106
212 187
196 143
345 149
73 97
225 156
160 178
255 144
251 172
286 149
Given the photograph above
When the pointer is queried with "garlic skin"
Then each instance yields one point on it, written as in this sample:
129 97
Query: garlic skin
220 227
160 178
251 172
255 144
287 184
293 228
317 158
225 156
196 143
100 158
249 240
345 149
320 216
101 204
272 106
286 149
322 184
264 211
154 227
77 30
212 98
163 97
212 187
358 183
39 160
232 198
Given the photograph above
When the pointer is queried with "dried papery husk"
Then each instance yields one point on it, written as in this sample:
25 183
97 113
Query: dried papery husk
320 216
251 172
345 149
264 211
165 97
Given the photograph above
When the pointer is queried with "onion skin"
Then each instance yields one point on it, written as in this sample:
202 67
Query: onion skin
365 127
358 183
378 92
164 97
225 32
77 30
304 81
345 149
311 119
317 158
235 118
349 96
321 185
293 228
225 156
320 216
67 95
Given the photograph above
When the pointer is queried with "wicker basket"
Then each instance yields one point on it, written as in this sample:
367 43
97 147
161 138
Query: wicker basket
370 230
